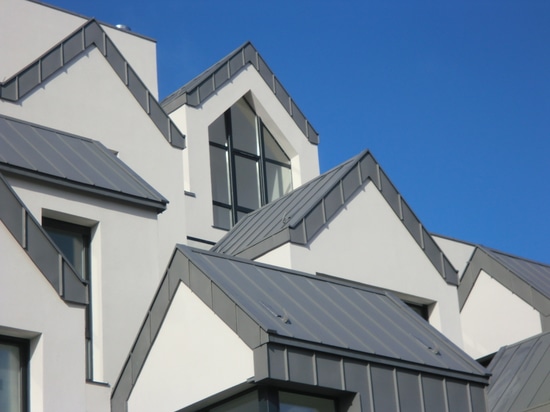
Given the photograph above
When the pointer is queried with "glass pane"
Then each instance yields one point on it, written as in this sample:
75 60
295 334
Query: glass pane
278 181
245 403
248 183
219 171
222 217
272 149
243 127
293 402
72 245
10 378
216 131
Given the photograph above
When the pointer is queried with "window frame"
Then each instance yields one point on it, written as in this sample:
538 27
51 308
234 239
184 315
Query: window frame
235 207
23 346
85 232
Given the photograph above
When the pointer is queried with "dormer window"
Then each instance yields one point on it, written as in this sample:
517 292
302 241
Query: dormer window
247 165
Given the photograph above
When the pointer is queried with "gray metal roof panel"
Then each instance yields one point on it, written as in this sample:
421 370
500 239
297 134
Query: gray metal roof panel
535 274
208 82
520 375
308 308
298 216
63 157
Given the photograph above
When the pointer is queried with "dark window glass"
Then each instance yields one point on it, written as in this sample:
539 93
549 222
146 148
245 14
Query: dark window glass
296 402
247 165
13 374
422 310
244 403
247 182
74 242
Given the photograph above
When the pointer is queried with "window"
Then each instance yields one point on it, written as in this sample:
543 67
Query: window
248 167
420 309
14 355
272 400
74 241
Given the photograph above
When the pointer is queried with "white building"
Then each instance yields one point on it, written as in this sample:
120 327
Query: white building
301 301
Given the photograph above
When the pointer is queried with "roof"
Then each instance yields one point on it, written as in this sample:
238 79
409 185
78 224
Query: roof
61 158
90 34
208 82
39 247
301 214
267 304
527 279
521 376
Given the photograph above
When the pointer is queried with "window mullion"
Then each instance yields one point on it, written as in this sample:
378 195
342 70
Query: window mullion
263 174
231 163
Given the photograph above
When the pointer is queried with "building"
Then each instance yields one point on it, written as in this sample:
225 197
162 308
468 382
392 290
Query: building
188 254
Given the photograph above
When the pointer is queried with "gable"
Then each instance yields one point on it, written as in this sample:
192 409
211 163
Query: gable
194 356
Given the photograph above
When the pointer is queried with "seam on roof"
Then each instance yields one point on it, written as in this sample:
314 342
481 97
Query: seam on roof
47 257
90 34
198 90
349 178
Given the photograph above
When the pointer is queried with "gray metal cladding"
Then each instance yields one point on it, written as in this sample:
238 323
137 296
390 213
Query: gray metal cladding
520 376
38 246
68 159
301 214
199 89
90 34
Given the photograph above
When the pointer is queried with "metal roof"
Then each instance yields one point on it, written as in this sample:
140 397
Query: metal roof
527 279
299 216
265 304
208 82
521 376
534 273
77 162
90 34
39 247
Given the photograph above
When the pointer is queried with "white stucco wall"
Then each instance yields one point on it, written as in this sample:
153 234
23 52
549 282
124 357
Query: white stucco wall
493 317
88 99
458 253
194 356
194 123
30 308
125 272
366 242
29 29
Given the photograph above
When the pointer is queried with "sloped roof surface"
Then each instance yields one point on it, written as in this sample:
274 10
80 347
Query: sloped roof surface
49 154
90 34
535 274
298 216
312 309
196 91
521 376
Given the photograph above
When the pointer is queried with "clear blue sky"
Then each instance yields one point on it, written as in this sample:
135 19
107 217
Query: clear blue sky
452 97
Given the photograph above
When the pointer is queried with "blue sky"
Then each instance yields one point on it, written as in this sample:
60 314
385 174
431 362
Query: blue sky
452 97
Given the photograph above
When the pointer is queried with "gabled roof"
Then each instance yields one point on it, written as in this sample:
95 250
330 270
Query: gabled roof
299 216
207 83
527 279
39 247
72 161
90 34
267 304
521 376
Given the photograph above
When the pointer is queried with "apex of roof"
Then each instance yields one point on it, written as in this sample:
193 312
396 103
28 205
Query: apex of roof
90 34
72 161
521 376
196 91
301 214
265 304
527 279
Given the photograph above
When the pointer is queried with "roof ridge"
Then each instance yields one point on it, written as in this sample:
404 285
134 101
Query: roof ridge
490 249
90 34
201 87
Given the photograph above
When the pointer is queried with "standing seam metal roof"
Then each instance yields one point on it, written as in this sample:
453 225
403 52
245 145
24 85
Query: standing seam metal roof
90 34
301 214
207 83
62 158
521 376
